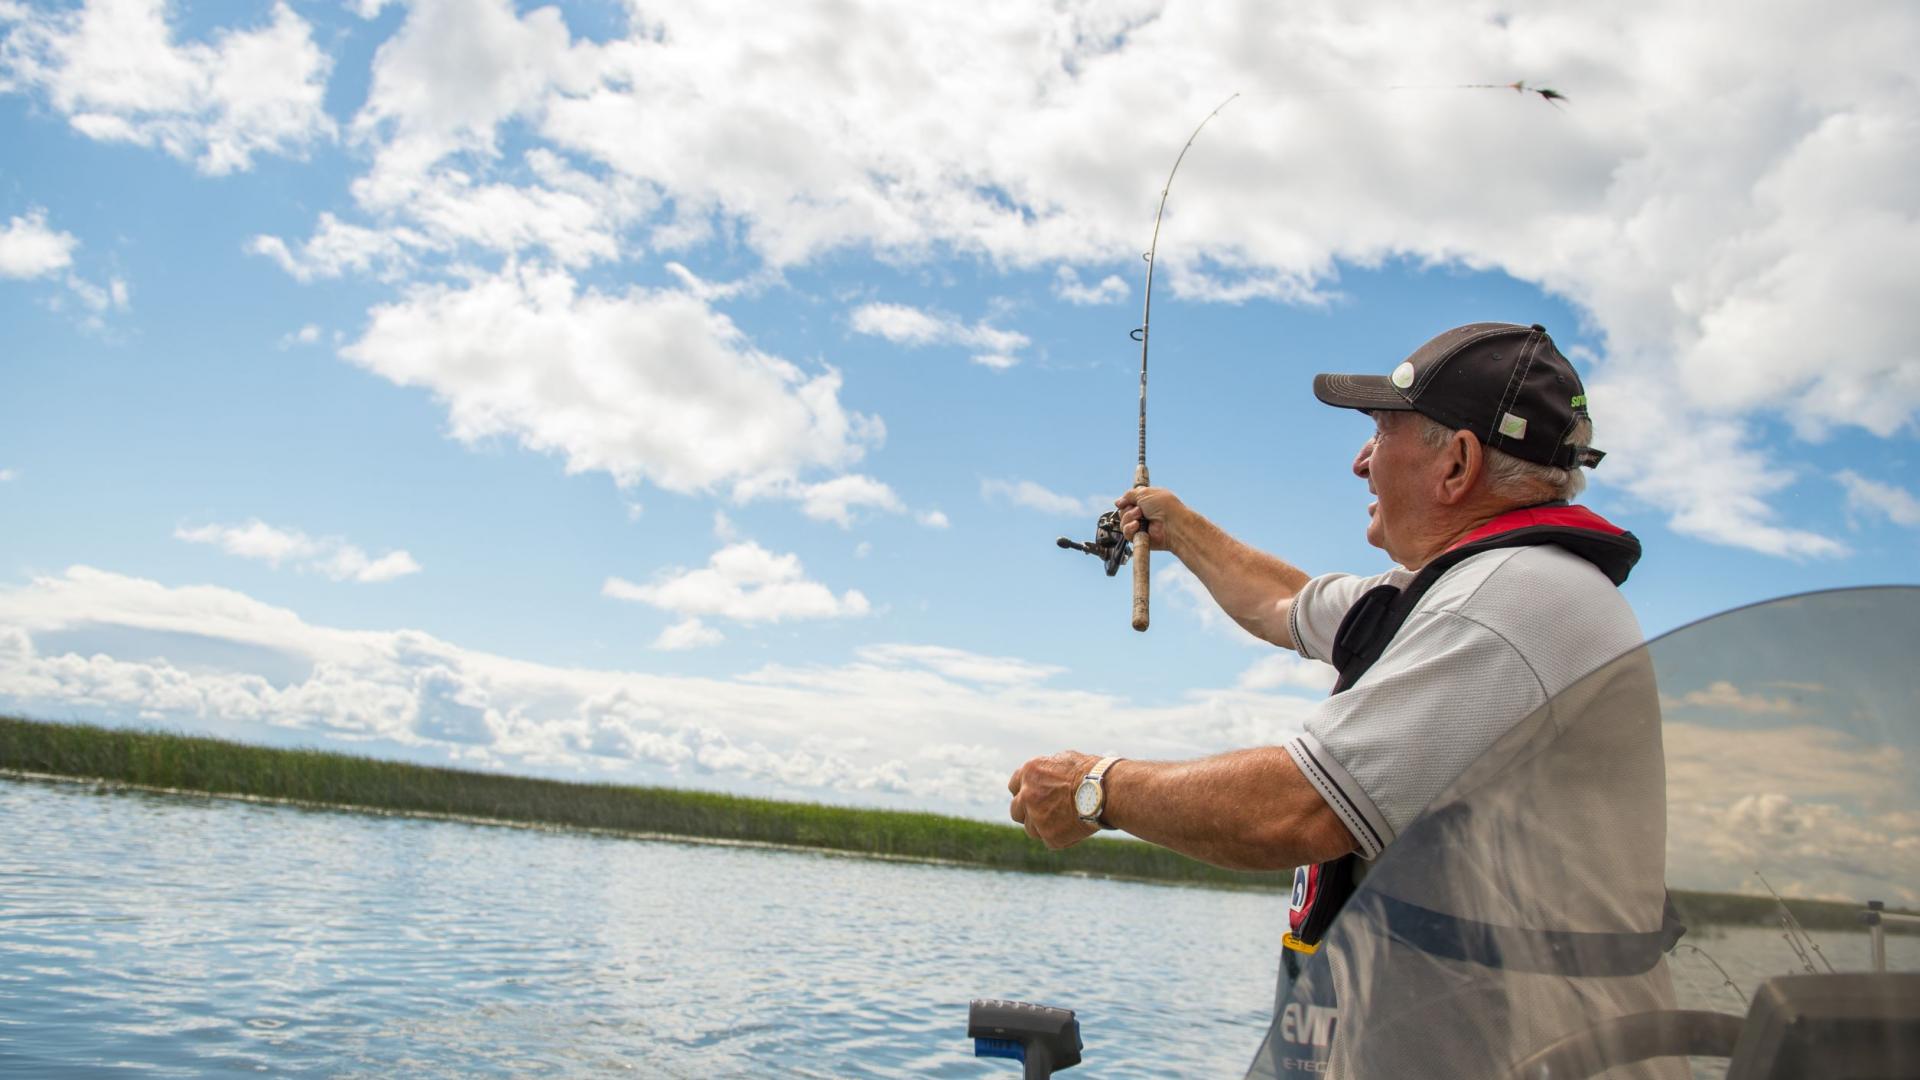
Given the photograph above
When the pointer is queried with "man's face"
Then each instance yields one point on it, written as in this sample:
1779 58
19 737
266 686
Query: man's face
1393 464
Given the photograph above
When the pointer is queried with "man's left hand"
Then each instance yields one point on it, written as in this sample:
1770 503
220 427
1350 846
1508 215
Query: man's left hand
1043 798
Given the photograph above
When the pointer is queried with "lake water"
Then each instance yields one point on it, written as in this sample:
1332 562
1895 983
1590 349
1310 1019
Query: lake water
170 935
164 935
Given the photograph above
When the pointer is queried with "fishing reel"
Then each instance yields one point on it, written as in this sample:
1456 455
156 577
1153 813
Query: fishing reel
1107 545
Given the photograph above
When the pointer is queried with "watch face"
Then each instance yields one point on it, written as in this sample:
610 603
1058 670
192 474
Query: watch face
1086 798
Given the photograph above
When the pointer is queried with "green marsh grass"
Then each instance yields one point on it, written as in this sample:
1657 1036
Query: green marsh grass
160 759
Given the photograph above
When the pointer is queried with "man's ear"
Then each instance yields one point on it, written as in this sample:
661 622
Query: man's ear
1462 462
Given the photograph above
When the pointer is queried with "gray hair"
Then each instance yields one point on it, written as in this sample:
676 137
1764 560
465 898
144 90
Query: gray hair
1521 481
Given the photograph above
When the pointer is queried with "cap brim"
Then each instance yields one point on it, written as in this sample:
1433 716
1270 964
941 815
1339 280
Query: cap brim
1360 392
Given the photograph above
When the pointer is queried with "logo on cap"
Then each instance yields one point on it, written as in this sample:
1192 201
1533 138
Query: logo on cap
1513 427
1403 375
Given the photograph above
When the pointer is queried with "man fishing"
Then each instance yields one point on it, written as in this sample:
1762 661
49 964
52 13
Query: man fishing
1504 596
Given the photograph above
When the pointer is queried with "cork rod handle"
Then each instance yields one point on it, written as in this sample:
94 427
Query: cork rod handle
1142 547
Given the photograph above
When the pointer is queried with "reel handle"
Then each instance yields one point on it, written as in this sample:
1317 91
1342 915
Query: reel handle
1142 547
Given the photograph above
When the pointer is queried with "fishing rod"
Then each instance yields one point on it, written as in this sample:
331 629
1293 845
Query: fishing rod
1108 543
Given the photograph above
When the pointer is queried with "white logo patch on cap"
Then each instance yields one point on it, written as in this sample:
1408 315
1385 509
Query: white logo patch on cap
1403 375
1513 427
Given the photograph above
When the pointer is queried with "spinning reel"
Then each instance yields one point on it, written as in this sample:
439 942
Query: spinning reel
1107 545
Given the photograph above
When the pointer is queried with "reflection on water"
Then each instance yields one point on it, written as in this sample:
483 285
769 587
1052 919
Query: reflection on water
172 936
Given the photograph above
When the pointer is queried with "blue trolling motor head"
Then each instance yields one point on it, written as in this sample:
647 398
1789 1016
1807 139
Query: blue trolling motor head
1045 1039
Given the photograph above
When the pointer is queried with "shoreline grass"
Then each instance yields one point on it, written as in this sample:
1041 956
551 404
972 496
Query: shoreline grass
169 761
166 760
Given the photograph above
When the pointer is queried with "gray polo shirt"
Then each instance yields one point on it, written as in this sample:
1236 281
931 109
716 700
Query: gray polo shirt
1490 642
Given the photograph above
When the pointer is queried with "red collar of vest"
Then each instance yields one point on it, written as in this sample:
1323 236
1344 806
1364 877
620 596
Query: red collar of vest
1560 516
1577 529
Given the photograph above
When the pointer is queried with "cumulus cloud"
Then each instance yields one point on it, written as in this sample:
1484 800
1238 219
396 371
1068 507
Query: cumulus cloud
832 500
1821 811
1287 670
933 519
1871 498
1068 286
29 248
1034 497
306 335
1724 697
688 634
331 556
960 664
8 476
337 248
645 386
911 326
911 725
115 69
746 583
1738 234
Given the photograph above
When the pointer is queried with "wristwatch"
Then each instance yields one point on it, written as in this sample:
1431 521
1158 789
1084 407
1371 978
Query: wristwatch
1090 795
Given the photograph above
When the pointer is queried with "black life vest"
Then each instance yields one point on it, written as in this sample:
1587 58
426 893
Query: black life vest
1319 892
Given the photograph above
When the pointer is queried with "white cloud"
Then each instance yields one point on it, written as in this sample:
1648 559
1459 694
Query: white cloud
901 324
1068 286
1707 471
645 386
96 299
708 290
910 326
688 634
1289 670
331 556
1822 812
1738 233
746 583
456 69
961 664
349 563
115 70
832 500
1176 586
1725 698
30 249
917 726
1872 498
1034 497
306 335
337 248
934 519
7 476
996 361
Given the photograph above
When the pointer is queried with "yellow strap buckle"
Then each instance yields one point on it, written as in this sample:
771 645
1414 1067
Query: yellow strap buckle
1297 945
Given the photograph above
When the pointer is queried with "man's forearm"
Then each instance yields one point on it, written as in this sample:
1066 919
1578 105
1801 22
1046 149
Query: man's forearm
1251 586
1243 810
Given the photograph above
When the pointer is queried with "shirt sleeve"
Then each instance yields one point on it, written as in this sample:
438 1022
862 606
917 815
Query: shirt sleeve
1384 749
1322 603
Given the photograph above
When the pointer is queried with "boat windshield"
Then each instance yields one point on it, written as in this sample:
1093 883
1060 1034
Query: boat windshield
1693 819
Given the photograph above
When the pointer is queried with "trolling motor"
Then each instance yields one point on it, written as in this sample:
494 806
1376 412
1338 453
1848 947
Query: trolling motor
1043 1037
1107 544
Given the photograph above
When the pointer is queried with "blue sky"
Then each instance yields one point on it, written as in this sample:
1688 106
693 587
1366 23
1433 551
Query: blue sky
694 397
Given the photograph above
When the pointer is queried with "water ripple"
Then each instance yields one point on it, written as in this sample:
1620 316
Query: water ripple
160 936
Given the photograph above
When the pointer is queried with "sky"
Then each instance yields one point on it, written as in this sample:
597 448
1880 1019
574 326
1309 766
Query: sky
692 394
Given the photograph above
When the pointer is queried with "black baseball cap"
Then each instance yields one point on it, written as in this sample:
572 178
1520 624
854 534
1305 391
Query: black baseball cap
1504 382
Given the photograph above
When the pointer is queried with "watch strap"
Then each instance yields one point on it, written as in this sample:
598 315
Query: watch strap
1097 775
